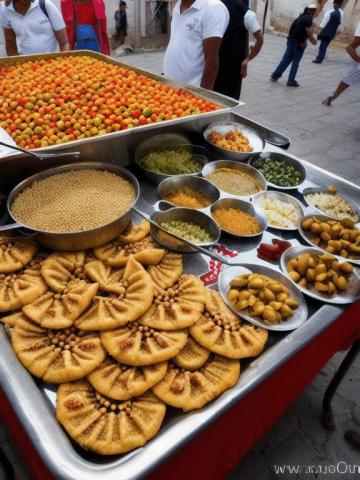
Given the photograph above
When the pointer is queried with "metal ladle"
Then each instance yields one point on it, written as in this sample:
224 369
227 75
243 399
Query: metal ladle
41 156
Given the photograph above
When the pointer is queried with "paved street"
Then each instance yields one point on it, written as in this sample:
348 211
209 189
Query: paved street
330 138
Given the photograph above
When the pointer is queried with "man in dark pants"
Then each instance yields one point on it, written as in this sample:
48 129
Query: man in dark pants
300 30
233 55
330 24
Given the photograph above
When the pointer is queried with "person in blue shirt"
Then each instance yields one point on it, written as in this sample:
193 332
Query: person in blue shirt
329 25
300 32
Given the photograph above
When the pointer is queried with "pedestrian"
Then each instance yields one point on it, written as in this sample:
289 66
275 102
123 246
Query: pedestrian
37 25
329 26
197 28
121 23
234 55
86 24
299 32
352 78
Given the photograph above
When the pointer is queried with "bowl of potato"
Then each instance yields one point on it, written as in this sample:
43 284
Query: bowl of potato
263 296
320 275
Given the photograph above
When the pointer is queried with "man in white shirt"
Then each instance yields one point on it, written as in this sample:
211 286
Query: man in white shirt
197 28
36 24
351 78
234 55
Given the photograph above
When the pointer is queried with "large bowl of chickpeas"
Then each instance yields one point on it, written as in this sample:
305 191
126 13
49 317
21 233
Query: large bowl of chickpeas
75 206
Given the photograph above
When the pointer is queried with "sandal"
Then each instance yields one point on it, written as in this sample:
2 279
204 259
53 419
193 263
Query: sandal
327 102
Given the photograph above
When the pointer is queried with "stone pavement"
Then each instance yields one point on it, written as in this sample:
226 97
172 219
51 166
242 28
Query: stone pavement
330 138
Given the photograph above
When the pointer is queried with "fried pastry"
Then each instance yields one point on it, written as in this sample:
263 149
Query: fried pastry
10 320
15 254
222 332
122 382
62 268
108 278
134 232
192 356
20 288
190 390
177 307
107 426
136 344
60 310
168 271
134 297
116 254
56 356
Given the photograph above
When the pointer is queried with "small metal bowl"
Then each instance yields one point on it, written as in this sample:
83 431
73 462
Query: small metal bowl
187 215
246 207
353 205
180 182
165 142
252 172
289 161
255 140
283 197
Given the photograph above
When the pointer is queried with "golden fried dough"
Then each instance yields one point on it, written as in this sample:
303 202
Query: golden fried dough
10 320
107 426
168 271
56 356
222 332
116 254
177 307
15 254
122 382
134 232
55 310
61 268
192 356
131 301
190 390
20 288
136 344
108 278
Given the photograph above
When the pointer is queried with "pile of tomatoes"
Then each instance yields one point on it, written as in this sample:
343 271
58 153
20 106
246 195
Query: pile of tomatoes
54 101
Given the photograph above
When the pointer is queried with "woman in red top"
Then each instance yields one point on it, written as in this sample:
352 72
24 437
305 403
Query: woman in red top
86 12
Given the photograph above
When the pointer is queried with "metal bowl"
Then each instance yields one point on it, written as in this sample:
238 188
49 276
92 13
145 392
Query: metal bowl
255 140
186 215
289 160
78 240
164 142
252 172
180 182
246 207
307 239
348 296
283 197
300 315
353 205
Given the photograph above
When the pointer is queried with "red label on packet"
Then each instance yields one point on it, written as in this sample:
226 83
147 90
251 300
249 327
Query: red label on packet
215 266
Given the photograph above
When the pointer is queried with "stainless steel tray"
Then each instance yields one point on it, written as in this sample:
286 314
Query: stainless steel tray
33 401
225 102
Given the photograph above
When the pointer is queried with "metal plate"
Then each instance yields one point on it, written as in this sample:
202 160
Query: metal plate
221 100
289 160
308 240
283 197
348 296
300 314
353 205
255 140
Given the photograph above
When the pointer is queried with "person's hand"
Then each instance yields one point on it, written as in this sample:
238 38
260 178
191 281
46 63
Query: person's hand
244 65
303 45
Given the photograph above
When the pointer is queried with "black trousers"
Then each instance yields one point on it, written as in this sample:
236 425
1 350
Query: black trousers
228 81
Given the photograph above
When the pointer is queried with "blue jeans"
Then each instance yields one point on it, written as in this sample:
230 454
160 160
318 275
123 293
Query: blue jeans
292 55
322 49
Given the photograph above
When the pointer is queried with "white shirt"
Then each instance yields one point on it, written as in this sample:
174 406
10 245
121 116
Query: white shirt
251 24
34 30
184 57
327 14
